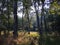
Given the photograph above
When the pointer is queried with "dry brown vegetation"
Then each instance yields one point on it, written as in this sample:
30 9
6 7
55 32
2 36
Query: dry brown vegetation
23 39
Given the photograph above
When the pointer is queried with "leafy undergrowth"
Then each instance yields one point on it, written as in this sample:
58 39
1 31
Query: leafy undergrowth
23 39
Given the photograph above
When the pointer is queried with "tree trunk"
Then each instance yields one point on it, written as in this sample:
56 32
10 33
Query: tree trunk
0 33
2 13
28 21
43 25
15 19
38 23
8 27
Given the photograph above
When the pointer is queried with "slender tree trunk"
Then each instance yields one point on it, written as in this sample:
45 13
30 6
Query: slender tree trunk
23 19
8 28
2 13
26 4
28 20
43 24
0 32
38 23
37 16
15 33
15 19
22 23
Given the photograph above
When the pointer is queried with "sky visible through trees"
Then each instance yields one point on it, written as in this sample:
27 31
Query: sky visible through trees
20 7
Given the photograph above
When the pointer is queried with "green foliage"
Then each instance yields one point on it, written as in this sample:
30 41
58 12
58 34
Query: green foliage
34 34
54 8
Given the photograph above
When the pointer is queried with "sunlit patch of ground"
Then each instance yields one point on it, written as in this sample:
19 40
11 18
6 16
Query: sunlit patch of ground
23 38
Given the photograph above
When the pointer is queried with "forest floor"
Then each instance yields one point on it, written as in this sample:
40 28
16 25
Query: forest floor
23 39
